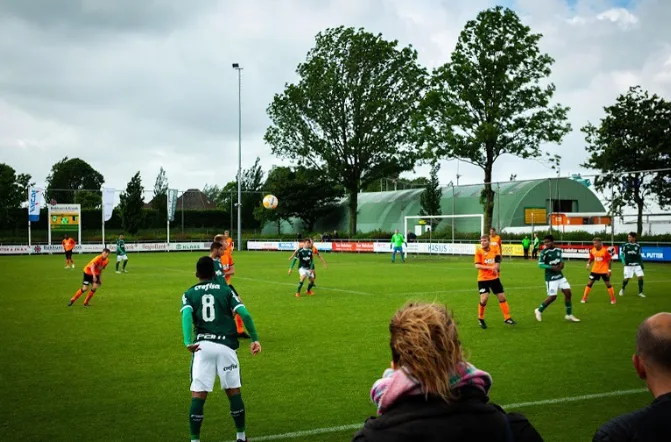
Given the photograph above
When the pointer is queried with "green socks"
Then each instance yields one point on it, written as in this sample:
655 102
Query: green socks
310 286
569 308
624 283
238 412
541 308
124 264
640 286
300 286
117 266
196 417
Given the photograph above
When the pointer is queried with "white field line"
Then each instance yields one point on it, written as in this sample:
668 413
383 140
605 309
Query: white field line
320 287
352 427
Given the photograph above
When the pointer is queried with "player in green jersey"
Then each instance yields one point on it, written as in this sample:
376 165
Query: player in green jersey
552 261
208 308
397 241
216 250
630 254
121 254
305 259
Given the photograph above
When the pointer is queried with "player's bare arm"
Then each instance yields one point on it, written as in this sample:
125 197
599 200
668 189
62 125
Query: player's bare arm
193 348
255 348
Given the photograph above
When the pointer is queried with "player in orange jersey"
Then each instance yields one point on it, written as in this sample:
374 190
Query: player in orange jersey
92 273
601 261
229 270
495 242
68 247
488 263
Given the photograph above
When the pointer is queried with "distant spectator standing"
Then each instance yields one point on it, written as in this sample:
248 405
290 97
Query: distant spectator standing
652 362
526 242
537 246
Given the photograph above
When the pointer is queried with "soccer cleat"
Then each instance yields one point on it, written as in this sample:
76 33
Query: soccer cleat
298 295
73 266
510 321
571 318
67 267
641 295
118 272
310 293
125 271
621 292
583 301
539 315
483 324
70 303
87 305
612 301
240 440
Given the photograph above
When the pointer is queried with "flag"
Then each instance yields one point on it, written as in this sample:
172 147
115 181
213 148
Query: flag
172 203
34 203
108 203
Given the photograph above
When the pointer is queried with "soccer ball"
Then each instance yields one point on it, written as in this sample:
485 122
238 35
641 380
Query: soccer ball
270 202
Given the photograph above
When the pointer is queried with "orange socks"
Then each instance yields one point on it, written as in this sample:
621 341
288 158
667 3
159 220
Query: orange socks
611 292
505 309
89 296
228 279
481 311
239 324
77 295
587 290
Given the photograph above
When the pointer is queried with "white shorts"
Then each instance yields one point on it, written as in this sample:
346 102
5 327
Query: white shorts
305 272
629 271
555 286
214 359
121 258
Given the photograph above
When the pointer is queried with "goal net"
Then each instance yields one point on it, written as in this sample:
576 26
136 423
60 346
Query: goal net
446 228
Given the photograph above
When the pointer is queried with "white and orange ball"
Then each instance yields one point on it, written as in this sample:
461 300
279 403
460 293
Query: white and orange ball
270 202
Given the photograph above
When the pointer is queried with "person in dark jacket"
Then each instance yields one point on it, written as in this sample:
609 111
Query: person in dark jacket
652 362
431 393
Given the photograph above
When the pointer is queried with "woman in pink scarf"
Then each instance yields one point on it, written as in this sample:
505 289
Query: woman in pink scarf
432 393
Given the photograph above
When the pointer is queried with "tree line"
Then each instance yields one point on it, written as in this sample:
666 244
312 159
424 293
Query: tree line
364 110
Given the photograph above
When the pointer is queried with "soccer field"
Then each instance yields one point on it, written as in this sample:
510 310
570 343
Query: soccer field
118 371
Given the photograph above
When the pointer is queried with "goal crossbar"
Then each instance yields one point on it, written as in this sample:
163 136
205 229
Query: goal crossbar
474 215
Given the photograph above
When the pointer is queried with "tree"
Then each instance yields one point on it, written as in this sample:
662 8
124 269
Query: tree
13 191
430 198
302 193
350 115
160 199
634 137
132 202
69 177
490 99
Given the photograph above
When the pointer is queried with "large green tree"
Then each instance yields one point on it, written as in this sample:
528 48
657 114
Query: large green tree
73 180
632 140
132 203
430 198
350 114
13 191
493 98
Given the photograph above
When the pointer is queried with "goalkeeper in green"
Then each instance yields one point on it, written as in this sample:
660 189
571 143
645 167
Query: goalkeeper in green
397 241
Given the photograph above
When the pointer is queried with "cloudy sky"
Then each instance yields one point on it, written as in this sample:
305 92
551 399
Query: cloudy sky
129 85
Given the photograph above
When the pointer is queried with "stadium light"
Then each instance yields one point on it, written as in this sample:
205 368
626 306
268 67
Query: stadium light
237 67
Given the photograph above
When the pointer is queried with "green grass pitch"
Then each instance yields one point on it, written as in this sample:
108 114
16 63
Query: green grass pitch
118 371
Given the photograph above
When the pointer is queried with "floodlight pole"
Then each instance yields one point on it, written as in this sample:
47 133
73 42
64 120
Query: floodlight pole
237 67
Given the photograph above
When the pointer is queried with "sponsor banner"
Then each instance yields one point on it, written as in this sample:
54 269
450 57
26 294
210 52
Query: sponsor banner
14 250
582 251
34 197
353 247
449 249
656 254
263 245
64 218
108 203
288 246
513 250
172 203
324 246
385 247
182 247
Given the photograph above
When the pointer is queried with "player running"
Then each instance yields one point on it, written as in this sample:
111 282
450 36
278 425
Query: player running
208 308
601 269
630 254
92 273
121 254
397 241
488 263
552 261
305 265
68 247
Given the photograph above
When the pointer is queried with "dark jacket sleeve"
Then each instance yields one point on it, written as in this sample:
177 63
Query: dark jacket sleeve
522 429
613 431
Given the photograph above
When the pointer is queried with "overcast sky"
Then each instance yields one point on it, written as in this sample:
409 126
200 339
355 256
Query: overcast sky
130 85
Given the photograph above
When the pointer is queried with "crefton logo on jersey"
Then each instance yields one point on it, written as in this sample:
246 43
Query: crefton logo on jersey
208 286
230 368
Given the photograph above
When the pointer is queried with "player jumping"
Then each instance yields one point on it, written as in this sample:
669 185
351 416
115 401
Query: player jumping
226 259
305 265
488 262
630 254
208 308
121 254
68 247
600 256
92 273
552 261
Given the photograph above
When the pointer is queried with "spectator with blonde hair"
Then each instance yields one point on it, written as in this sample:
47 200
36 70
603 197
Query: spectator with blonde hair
431 393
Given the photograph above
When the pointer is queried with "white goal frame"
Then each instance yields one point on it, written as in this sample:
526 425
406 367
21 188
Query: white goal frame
453 217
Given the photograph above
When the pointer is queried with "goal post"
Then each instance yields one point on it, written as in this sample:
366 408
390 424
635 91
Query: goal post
480 217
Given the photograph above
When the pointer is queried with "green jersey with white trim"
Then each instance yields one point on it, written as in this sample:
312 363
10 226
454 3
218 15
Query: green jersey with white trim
632 254
305 258
551 257
213 305
219 271
120 247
